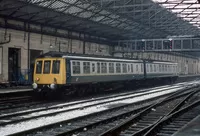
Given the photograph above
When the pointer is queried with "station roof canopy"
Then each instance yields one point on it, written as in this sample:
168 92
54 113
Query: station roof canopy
113 19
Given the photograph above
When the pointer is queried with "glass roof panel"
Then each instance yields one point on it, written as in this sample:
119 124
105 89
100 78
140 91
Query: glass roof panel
196 19
188 18
190 10
181 15
195 6
168 5
196 12
195 24
160 1
193 15
177 10
190 1
182 6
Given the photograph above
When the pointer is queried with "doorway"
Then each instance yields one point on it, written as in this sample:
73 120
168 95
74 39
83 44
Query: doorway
14 64
33 55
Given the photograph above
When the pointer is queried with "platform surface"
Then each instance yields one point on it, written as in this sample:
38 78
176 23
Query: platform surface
3 91
190 75
191 129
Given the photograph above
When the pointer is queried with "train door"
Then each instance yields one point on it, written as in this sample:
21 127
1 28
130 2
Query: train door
14 66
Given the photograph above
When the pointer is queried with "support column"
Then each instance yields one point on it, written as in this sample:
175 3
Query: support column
28 50
84 44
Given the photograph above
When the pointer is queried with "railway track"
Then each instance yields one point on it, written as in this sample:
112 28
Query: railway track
152 119
12 104
94 111
172 123
67 107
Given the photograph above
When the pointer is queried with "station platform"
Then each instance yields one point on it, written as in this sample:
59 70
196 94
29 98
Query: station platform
185 78
6 91
191 129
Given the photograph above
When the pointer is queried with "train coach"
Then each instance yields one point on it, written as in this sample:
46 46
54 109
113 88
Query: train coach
55 71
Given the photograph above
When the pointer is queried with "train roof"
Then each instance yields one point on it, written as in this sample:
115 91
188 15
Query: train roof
94 57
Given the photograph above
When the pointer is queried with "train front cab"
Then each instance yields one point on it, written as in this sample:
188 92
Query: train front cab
49 74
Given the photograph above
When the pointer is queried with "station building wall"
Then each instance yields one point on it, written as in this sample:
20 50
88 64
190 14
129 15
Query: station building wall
19 39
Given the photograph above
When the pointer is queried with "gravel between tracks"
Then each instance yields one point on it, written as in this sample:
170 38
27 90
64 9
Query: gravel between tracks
34 123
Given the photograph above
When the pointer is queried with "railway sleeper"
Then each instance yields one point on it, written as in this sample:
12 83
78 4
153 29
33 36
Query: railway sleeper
170 128
168 131
163 134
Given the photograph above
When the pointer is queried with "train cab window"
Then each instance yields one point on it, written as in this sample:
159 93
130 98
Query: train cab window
76 67
98 67
56 67
111 67
124 66
38 67
47 64
118 68
103 67
131 68
86 67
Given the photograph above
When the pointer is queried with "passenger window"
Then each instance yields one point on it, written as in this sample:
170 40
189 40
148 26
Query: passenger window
147 66
38 67
56 67
47 64
76 67
103 67
118 68
98 67
154 68
124 68
111 68
93 67
136 67
131 68
128 68
86 67
160 68
142 69
151 69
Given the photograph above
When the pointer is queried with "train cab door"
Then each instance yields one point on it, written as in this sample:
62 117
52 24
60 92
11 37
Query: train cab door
68 70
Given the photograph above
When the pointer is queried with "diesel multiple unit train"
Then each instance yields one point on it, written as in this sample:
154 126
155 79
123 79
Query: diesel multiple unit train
64 71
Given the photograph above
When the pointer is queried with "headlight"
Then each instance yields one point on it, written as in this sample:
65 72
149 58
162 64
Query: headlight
53 86
34 85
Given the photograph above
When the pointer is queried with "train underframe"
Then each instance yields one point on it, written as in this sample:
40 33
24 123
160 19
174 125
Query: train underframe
88 88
